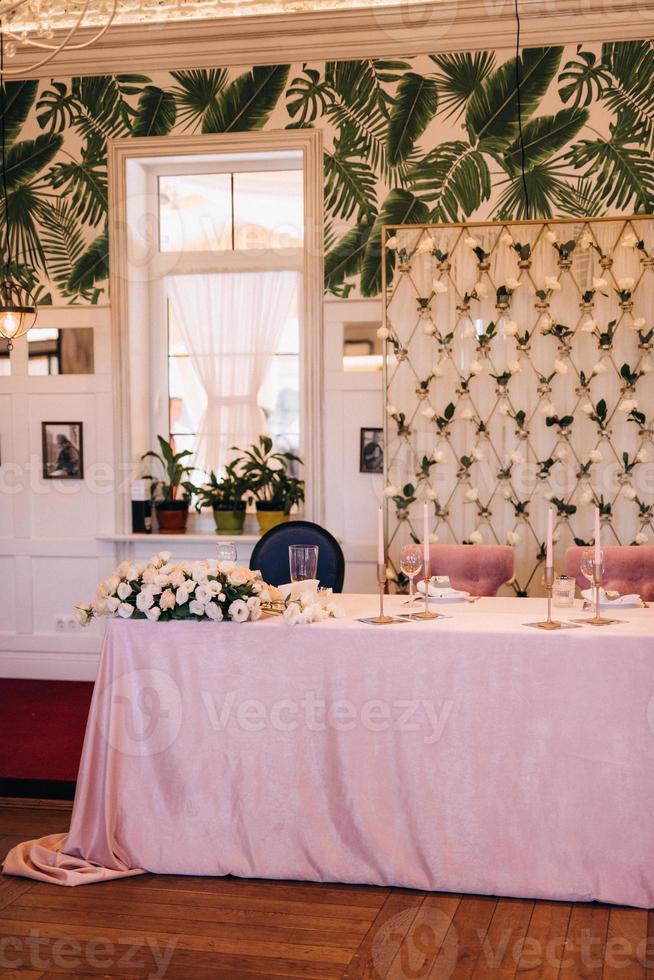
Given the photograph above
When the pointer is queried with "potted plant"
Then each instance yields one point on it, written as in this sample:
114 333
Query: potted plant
225 495
274 490
171 506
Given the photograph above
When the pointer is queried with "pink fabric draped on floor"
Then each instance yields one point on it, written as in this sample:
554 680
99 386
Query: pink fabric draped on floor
470 754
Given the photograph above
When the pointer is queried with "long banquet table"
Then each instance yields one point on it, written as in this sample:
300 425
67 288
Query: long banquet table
470 754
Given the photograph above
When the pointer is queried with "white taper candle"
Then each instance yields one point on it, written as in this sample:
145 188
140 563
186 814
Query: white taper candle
425 534
550 521
381 558
598 555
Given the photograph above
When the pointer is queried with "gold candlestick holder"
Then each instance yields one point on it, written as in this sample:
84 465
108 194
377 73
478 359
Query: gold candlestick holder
382 619
549 623
427 614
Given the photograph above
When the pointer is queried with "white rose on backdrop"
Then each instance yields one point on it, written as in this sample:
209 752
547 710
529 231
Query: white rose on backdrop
429 330
506 493
391 410
392 242
517 458
196 608
510 328
83 613
642 456
550 236
639 322
514 367
481 289
477 454
627 405
125 610
505 409
587 408
471 241
626 284
392 491
469 332
433 538
214 612
594 456
599 282
546 321
647 367
585 241
254 605
431 495
512 283
437 371
153 613
560 367
476 537
561 454
513 538
599 368
548 410
641 538
506 238
124 590
383 333
426 245
586 497
588 326
552 283
467 414
629 492
439 287
476 368
238 611
438 456
630 240
428 412
167 600
237 577
144 600
471 495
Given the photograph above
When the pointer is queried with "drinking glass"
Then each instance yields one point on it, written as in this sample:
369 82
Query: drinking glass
587 566
303 559
411 564
226 551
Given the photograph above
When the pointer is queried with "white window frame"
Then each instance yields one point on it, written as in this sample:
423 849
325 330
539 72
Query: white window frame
134 368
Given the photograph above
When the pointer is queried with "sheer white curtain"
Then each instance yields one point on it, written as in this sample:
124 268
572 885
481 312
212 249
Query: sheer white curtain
231 323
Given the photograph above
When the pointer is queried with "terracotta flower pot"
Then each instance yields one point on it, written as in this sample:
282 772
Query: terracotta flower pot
269 517
229 521
172 516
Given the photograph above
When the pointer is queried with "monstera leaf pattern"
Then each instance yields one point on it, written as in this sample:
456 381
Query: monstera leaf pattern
425 139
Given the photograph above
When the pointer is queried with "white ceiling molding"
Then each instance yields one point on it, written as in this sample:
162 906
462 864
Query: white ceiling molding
404 29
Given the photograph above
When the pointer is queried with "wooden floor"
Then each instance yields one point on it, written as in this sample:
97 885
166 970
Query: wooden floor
201 928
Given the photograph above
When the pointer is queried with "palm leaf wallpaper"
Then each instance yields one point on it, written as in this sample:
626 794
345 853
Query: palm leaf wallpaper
423 139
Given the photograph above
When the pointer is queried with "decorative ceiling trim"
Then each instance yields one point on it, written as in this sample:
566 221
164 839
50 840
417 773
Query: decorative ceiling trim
404 29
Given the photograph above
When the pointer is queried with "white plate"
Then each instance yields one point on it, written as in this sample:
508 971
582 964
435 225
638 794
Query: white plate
444 595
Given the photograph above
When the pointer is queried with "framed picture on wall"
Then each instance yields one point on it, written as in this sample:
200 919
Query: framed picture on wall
63 451
371 453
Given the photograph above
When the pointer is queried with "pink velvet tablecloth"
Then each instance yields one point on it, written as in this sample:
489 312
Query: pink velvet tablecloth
467 754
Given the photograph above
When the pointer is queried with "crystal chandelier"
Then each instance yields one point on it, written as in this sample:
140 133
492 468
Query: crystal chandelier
44 28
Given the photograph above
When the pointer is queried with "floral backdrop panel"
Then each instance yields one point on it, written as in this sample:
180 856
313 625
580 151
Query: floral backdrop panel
430 139
519 376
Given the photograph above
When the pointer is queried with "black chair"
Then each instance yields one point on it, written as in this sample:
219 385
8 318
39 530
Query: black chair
270 553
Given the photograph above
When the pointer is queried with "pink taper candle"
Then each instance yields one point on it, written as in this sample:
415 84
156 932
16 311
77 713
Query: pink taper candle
425 534
550 518
381 559
598 555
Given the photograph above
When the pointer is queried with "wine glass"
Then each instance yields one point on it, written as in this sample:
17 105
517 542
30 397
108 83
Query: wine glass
303 561
227 551
587 566
411 564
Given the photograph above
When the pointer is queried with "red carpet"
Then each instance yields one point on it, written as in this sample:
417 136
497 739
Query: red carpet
42 726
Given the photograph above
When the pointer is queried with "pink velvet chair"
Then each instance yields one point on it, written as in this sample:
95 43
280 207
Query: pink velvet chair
626 569
476 568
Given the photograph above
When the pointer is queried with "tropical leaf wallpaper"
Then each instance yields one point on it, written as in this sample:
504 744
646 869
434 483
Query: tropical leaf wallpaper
423 139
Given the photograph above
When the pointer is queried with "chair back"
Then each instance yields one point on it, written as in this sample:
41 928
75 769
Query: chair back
627 569
270 553
479 568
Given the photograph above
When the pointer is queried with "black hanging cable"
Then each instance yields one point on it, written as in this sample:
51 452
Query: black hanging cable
518 83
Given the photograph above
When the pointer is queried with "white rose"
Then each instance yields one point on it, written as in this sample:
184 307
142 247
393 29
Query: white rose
167 600
181 596
552 283
626 284
383 333
599 282
506 493
467 414
630 240
551 236
196 608
639 322
83 613
469 332
471 241
110 585
214 612
505 409
512 283
476 368
391 491
476 537
477 454
428 412
560 367
585 241
437 371
481 289
506 238
641 538
516 458
125 610
391 410
433 538
163 557
431 495
471 495
237 577
153 613
144 600
510 328
292 614
429 329
588 326
546 321
177 578
599 368
238 611
586 497
438 456
124 590
629 492
439 286
642 456
587 408
513 539
561 454
627 405
426 245
513 367
392 242
647 367
548 410
594 456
